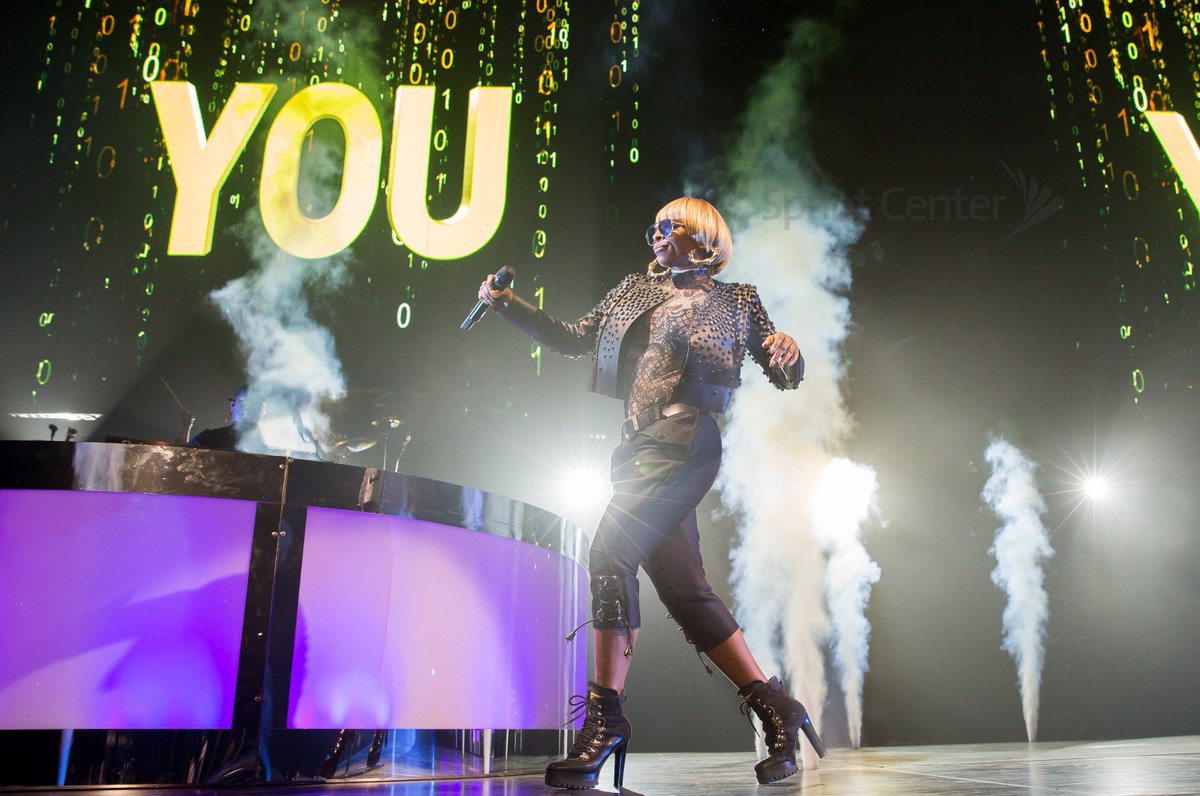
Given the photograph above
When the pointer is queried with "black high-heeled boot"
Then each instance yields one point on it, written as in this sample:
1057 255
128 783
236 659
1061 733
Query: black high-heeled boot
605 732
781 716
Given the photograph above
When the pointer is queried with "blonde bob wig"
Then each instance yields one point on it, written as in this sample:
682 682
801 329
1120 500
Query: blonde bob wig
706 226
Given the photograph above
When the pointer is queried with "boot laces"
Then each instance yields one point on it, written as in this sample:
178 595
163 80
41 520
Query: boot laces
608 594
580 626
591 735
774 733
611 609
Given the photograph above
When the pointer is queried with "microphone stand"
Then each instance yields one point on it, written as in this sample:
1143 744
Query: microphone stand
187 413
307 436
403 448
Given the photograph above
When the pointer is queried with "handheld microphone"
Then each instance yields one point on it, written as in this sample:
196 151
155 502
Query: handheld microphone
503 278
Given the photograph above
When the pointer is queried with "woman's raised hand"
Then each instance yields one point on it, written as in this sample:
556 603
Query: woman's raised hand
491 296
783 349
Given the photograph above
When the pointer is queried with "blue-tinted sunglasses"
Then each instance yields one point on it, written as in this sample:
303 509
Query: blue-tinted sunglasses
665 226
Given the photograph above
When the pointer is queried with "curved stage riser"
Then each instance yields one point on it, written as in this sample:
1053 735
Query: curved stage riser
253 605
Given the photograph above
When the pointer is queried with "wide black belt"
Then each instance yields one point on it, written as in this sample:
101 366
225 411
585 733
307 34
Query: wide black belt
652 415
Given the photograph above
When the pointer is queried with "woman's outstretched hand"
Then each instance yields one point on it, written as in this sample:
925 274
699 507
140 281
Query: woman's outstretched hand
492 297
782 347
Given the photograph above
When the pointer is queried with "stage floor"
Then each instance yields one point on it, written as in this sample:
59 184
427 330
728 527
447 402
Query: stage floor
1158 766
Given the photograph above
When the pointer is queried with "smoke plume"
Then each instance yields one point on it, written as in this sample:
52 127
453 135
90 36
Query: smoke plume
842 501
293 370
1022 543
801 575
292 367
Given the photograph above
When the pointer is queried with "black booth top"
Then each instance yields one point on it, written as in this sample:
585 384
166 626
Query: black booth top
184 470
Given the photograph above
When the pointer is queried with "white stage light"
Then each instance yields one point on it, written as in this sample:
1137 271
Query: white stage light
584 489
1096 487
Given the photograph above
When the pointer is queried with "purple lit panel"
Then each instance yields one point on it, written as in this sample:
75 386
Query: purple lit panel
405 623
120 610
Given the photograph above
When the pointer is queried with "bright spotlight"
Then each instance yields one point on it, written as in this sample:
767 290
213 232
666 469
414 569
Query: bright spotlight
584 489
1096 487
1096 481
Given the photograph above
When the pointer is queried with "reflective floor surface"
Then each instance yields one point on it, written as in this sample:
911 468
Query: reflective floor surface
1150 766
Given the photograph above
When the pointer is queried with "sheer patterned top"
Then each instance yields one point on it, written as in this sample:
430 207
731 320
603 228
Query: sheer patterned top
659 368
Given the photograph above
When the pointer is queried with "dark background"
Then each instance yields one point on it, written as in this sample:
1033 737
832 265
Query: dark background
962 329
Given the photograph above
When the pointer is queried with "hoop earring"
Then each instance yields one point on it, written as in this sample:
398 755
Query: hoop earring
713 254
662 270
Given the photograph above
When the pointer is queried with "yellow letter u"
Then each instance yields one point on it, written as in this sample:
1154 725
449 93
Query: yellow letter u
485 173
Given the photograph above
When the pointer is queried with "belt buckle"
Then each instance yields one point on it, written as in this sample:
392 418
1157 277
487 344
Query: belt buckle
629 428
641 420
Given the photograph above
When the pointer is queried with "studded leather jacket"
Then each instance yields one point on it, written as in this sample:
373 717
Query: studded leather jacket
730 322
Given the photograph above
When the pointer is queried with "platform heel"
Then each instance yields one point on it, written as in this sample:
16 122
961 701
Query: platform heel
810 732
605 733
619 765
781 717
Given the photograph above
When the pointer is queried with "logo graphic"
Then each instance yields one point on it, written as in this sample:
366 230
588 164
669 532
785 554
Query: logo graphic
1040 201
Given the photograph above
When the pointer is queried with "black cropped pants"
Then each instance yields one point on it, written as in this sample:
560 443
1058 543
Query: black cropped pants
659 476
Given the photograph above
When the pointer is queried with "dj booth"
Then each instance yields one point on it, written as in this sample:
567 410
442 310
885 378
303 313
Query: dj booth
177 615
